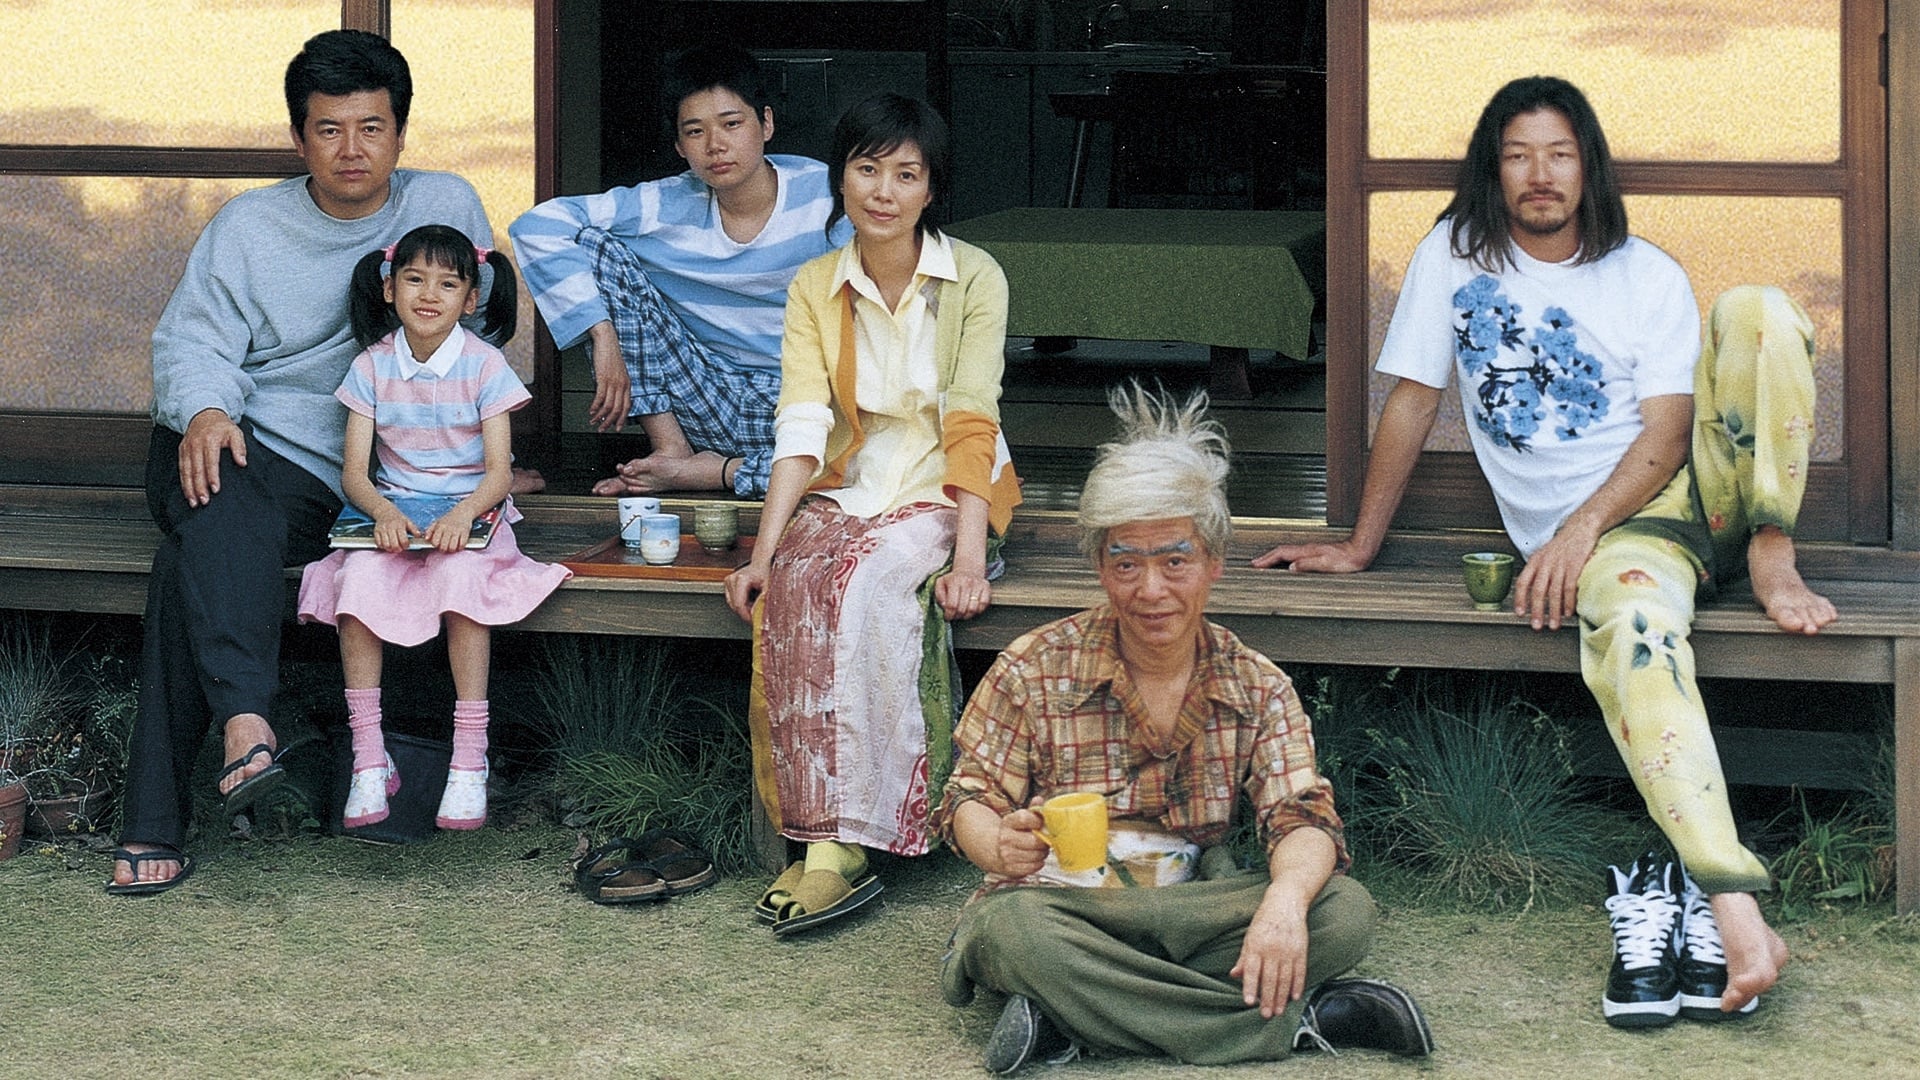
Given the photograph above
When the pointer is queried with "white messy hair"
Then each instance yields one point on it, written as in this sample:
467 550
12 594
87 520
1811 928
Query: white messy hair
1170 461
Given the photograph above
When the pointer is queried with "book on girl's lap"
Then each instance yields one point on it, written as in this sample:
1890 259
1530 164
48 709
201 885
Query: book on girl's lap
353 529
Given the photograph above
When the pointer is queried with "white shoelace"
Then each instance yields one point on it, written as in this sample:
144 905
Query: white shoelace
1701 932
1310 1027
1642 924
1067 1056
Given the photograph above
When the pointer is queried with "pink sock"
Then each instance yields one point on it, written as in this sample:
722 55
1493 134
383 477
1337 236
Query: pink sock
470 735
363 719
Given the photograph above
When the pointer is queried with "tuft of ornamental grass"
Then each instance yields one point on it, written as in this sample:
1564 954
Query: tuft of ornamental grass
1880 790
591 694
1847 856
641 744
37 692
1476 799
703 788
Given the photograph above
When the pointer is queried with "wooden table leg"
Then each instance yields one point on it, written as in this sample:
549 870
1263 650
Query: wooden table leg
1906 773
1227 378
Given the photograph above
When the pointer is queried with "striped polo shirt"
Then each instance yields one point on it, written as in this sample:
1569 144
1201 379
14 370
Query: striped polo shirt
427 415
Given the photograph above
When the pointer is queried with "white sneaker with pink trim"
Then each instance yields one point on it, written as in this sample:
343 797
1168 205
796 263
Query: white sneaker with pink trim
367 797
464 806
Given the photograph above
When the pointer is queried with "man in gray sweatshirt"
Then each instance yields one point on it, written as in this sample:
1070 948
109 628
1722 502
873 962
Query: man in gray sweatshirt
243 471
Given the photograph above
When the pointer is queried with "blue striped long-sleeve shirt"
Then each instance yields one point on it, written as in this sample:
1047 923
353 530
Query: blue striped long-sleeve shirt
731 296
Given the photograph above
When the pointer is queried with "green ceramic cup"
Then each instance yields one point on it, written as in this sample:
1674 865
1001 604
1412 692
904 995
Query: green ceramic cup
717 526
1489 575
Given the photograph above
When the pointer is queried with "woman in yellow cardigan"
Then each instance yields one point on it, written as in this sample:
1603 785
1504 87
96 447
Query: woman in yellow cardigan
888 474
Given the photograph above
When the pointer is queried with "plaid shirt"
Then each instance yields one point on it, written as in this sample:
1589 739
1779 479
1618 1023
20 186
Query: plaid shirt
1055 714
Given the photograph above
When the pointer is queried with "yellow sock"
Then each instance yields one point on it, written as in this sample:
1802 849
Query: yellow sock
847 860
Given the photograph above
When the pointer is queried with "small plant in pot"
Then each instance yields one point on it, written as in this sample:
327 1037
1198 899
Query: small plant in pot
13 789
65 719
82 753
37 693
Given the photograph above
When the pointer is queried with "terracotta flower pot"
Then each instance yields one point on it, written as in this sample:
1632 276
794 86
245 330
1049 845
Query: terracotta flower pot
13 818
66 815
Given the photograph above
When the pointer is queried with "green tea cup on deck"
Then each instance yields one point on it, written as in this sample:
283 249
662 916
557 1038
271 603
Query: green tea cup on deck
1489 575
717 526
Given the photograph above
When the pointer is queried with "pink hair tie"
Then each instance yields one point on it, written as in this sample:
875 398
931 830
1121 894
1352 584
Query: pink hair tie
388 251
481 253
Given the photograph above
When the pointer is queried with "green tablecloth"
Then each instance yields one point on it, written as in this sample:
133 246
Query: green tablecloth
1215 277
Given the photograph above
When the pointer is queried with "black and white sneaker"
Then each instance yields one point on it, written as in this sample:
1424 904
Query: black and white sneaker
1703 962
1643 988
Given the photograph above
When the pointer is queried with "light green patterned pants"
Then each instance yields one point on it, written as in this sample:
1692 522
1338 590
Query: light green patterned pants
1753 424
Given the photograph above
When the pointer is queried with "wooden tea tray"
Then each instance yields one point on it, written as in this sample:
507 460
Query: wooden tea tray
611 558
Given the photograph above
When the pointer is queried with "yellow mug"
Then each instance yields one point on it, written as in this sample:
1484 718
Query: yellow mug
1076 829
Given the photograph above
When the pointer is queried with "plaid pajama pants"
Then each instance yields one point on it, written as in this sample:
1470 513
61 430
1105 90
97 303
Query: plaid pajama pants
721 408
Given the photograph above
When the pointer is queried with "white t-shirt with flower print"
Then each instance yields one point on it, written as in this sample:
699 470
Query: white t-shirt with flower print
1552 361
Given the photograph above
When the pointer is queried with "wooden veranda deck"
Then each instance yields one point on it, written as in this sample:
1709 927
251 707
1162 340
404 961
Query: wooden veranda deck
88 550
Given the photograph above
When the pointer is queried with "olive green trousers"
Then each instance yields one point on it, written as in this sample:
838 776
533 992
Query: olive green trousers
1145 970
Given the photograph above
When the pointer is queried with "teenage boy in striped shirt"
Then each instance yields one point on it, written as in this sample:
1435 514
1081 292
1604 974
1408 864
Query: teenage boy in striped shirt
680 284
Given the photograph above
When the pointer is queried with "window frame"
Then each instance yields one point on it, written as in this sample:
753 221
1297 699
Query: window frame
108 448
1848 499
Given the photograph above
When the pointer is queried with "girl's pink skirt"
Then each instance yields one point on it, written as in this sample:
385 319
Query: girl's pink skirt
401 595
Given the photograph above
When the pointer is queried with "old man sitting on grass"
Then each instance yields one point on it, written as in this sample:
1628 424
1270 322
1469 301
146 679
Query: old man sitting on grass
1167 947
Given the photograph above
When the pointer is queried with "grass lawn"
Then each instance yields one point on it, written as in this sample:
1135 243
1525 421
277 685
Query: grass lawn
471 955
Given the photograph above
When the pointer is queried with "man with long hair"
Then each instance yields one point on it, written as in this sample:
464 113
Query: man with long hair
1634 472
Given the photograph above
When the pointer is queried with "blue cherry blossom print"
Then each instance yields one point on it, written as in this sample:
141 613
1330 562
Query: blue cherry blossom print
1524 379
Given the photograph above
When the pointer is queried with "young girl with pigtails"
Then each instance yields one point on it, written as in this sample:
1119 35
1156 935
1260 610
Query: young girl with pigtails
427 404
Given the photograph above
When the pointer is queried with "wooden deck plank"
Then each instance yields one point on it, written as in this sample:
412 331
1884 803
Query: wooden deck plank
85 538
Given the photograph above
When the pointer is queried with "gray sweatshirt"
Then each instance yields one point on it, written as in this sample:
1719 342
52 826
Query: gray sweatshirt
258 324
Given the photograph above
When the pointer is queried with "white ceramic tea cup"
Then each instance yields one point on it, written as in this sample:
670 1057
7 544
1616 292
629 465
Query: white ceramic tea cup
660 538
632 509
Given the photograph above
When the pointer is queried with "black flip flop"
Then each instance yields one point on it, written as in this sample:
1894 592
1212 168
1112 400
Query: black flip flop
248 791
133 860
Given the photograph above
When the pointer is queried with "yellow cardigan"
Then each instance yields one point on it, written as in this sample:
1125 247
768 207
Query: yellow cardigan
817 365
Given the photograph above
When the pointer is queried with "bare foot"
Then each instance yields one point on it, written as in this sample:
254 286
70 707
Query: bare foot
150 869
243 733
527 481
612 485
1755 954
663 471
1778 587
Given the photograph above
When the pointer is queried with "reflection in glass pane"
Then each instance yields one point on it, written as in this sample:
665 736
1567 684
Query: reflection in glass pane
1708 80
472 64
155 73
85 267
1722 242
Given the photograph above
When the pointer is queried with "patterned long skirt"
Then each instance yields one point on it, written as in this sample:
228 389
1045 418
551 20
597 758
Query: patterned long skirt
851 719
